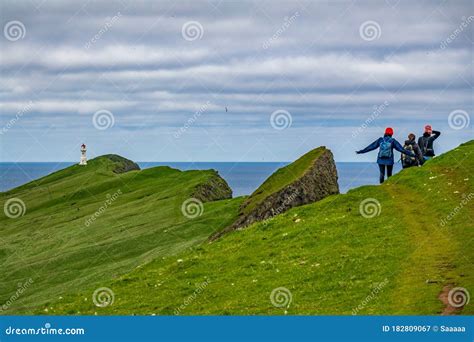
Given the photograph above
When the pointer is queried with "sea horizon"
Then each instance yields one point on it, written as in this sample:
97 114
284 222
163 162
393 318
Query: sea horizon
242 177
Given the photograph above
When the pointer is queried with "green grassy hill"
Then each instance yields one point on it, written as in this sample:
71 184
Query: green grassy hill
86 225
414 240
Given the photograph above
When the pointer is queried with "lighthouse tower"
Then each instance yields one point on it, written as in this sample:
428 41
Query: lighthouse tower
83 155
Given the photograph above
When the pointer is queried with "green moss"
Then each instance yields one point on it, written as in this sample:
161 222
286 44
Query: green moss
281 178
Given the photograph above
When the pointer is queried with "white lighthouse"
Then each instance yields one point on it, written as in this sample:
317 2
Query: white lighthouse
83 155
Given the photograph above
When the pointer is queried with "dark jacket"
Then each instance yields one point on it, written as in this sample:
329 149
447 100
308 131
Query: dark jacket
419 160
426 143
395 145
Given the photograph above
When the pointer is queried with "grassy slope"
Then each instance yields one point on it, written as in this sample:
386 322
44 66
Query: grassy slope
52 245
331 259
281 178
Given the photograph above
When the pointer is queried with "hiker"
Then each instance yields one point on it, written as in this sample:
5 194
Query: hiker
386 144
411 145
426 142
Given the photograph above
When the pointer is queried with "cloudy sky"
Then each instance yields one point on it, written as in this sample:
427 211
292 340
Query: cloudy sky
230 80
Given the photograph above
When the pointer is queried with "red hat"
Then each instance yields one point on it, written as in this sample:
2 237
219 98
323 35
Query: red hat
428 129
389 130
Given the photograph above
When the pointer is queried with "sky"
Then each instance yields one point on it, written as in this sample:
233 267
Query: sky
230 80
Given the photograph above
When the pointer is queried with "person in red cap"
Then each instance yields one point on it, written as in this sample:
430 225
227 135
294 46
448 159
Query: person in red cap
426 142
385 158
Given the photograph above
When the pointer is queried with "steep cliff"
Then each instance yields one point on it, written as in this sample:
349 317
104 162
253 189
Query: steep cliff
309 179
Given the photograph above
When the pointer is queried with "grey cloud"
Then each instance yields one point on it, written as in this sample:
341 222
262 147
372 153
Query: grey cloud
254 57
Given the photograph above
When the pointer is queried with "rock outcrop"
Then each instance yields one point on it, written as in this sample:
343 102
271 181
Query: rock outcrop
121 164
214 189
309 179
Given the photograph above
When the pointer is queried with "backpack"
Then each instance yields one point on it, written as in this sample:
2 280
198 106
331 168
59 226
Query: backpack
429 152
408 161
385 151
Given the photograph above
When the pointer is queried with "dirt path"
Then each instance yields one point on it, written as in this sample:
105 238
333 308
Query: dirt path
426 271
444 297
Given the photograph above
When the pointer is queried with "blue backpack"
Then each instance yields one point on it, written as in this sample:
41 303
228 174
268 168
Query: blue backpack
385 151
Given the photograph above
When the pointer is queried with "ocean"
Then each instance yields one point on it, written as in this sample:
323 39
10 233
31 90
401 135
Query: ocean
242 177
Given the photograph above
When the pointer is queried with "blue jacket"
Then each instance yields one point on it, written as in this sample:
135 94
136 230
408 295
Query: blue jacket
395 145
